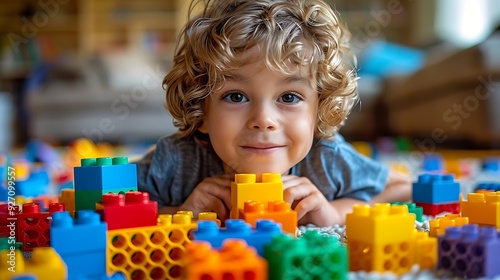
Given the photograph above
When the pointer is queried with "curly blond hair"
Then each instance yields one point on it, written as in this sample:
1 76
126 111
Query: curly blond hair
302 32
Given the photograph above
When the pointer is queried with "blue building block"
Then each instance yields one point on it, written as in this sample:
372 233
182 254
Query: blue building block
470 251
114 276
105 173
436 189
488 186
433 163
81 242
37 184
491 165
263 233
4 193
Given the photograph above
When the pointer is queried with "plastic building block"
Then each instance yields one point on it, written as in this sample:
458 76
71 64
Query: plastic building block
235 260
277 211
374 248
67 197
436 209
152 252
482 208
105 174
34 225
4 193
8 220
246 188
413 209
86 200
433 163
7 243
36 184
80 242
263 233
439 225
470 251
134 209
425 250
436 189
313 256
45 201
488 186
45 264
491 165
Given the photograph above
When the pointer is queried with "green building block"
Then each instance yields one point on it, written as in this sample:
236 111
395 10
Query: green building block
414 209
5 245
85 200
310 257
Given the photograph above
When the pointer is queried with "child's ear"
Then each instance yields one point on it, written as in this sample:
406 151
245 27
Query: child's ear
203 127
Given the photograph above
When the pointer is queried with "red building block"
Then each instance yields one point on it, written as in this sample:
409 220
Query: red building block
277 211
34 226
6 218
436 209
134 209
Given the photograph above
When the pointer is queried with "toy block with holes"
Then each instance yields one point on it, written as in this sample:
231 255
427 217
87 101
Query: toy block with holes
374 248
256 237
413 209
277 211
8 219
235 260
312 256
133 209
245 187
45 263
439 225
470 251
154 252
482 208
81 242
98 176
33 225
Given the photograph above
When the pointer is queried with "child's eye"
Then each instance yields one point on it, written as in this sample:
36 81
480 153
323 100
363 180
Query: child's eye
235 97
289 98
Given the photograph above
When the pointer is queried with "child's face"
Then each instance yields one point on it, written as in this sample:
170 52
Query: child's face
262 121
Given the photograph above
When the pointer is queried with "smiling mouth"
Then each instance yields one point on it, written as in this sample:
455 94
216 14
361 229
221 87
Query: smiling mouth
263 148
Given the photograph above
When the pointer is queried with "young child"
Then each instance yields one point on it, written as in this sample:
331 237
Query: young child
263 86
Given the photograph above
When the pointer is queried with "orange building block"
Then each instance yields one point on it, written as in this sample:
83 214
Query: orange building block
278 211
245 188
67 197
424 250
482 208
234 261
439 225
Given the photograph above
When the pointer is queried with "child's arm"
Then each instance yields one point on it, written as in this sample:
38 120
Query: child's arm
398 188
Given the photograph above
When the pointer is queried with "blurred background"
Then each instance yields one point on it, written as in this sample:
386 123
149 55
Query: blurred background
429 70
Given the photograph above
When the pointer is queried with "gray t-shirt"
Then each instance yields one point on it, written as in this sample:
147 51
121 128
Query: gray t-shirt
171 171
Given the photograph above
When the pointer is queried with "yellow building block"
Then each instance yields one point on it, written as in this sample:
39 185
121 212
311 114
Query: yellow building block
380 238
155 252
44 263
67 196
245 188
425 250
234 261
277 211
482 208
439 225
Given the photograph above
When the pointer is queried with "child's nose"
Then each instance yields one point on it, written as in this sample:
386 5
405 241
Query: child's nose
262 119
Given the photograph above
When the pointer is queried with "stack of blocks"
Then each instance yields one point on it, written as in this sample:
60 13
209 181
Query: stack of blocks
80 242
96 177
437 194
373 248
153 252
253 200
470 251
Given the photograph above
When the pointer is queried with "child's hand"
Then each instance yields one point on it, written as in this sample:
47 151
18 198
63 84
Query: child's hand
211 195
311 205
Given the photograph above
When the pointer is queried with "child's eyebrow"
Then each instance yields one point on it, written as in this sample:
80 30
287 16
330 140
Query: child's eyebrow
295 79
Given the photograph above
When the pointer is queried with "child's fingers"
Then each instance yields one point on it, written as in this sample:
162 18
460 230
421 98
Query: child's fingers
297 192
219 208
221 193
307 205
